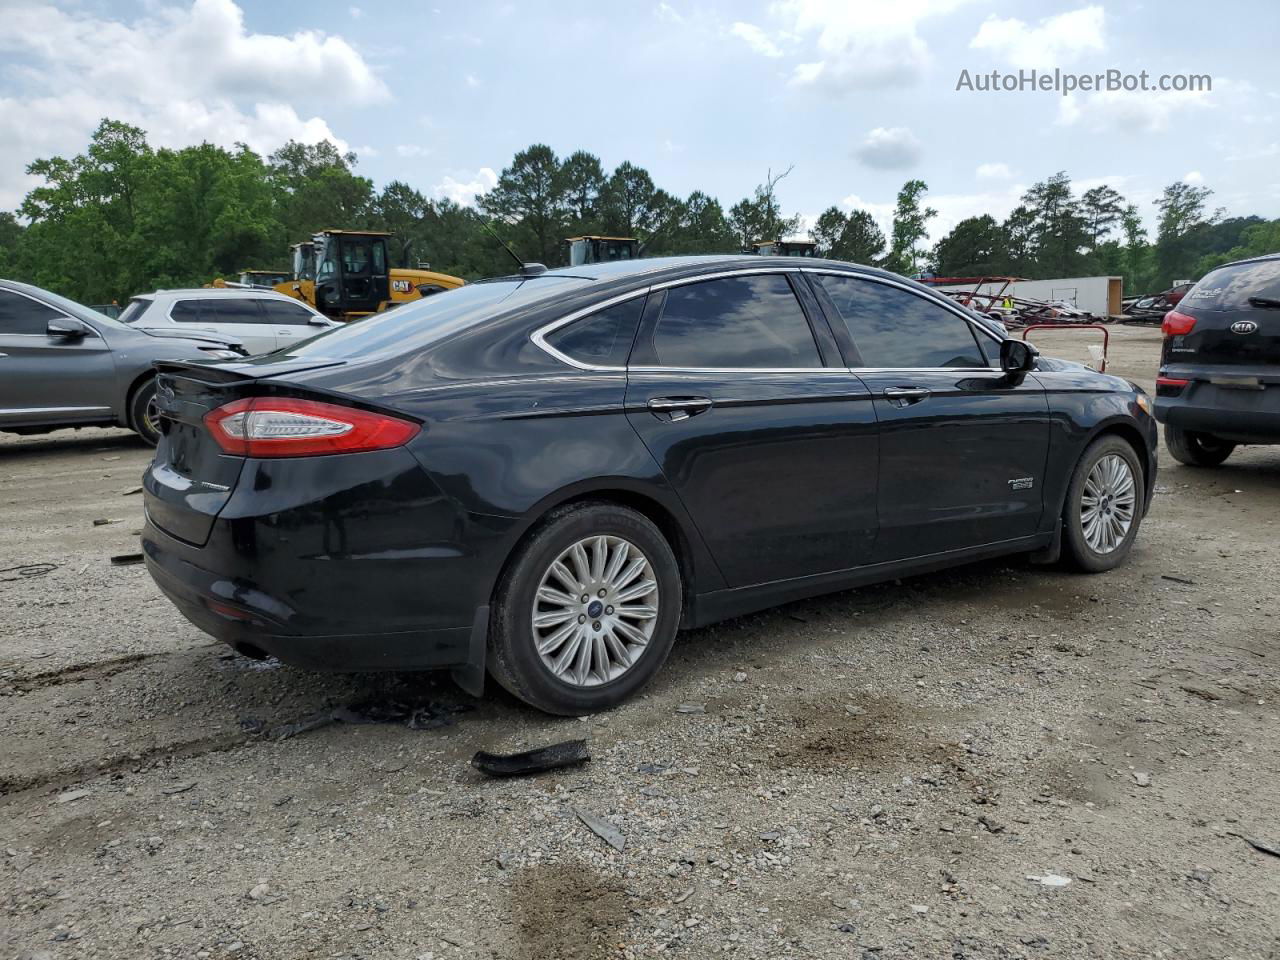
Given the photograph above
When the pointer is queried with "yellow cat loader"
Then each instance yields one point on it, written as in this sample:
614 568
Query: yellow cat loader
346 274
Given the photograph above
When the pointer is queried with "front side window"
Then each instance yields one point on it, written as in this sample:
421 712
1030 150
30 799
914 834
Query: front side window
895 328
281 311
22 315
213 311
602 339
750 322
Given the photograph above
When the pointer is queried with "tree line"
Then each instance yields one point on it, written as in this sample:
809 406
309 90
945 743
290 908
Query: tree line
124 218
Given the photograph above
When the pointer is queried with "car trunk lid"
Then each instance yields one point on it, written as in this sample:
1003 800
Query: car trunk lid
192 477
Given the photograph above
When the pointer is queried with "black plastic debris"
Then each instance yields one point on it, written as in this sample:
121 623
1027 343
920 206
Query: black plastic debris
126 559
415 713
567 754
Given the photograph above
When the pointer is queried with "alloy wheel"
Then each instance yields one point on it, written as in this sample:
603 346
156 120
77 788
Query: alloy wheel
1107 504
595 611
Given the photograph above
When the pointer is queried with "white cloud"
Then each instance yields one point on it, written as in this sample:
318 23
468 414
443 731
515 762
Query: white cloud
668 13
993 171
465 192
1130 112
356 12
860 46
1195 177
411 150
1055 41
472 80
183 74
889 148
756 39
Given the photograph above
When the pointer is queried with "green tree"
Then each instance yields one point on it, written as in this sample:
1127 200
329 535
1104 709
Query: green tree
855 237
582 180
403 212
317 189
530 199
1182 230
1060 229
910 227
1101 207
701 227
977 246
759 218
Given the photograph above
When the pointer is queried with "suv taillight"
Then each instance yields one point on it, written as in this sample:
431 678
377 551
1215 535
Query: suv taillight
286 427
1177 324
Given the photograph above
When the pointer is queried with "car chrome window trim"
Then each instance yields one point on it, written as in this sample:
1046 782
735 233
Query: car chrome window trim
539 336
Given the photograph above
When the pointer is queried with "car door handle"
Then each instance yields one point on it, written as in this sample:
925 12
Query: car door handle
679 408
285 333
906 395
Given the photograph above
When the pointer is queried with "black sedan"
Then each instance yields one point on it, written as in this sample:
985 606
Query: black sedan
545 476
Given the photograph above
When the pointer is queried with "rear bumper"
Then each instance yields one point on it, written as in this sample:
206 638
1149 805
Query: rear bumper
354 565
1242 416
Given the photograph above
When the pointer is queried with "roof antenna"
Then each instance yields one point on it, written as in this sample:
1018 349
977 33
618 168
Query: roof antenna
526 269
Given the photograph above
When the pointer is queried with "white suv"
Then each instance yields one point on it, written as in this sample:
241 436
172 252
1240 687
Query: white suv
262 320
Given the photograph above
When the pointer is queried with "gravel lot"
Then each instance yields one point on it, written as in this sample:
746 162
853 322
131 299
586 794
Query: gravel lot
877 774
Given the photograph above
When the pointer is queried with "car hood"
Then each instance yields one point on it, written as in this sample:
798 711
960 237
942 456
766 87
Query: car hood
1048 364
230 343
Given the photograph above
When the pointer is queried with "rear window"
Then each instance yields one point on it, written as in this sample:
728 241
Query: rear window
136 308
1230 287
419 324
602 339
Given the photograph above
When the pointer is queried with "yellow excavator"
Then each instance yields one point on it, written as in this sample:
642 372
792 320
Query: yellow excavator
346 274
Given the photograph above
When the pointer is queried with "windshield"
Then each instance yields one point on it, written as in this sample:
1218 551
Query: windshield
136 308
416 325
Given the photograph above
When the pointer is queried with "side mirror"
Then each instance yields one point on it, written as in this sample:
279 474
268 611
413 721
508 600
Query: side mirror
66 328
318 322
427 289
1017 357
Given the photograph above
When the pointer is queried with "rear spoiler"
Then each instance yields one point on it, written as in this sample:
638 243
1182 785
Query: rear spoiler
227 371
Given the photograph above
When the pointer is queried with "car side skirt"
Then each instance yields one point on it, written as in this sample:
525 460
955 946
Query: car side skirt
723 604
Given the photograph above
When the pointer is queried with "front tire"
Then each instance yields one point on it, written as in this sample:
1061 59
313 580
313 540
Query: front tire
1196 449
1104 505
144 415
587 612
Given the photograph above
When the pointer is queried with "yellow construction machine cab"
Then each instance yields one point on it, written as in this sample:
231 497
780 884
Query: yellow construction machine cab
346 274
601 249
785 248
263 278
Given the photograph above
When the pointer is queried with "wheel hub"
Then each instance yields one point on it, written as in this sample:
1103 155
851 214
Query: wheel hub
1107 504
595 610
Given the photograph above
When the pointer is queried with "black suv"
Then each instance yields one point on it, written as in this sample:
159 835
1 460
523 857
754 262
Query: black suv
1219 382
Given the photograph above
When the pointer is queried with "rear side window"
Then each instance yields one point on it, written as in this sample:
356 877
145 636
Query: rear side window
895 328
19 314
602 339
219 310
1229 288
747 322
281 311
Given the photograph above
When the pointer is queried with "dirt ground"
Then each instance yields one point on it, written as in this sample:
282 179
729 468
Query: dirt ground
1000 761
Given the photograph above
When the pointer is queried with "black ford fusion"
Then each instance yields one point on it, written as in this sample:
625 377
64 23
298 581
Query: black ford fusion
545 476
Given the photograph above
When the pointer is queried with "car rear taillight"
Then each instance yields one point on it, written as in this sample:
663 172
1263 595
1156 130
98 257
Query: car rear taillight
1170 386
1177 324
286 427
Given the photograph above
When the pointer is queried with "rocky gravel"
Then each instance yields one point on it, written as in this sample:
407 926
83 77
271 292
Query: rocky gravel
1000 761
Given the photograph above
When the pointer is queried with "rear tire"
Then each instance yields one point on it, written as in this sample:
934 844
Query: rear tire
1104 506
1196 449
570 661
144 417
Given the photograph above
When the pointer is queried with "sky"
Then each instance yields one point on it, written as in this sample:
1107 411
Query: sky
856 95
